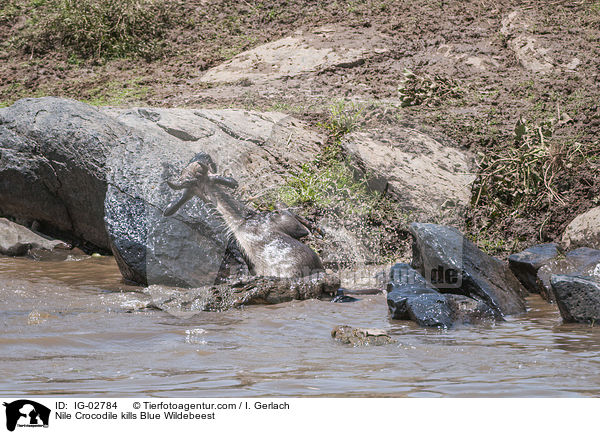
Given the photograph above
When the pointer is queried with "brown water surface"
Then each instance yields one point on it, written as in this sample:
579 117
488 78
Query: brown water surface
72 328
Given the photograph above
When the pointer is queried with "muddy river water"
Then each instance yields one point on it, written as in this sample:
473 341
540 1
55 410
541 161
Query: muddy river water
71 328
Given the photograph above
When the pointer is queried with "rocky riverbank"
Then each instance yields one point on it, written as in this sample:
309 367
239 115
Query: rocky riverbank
98 179
369 134
453 81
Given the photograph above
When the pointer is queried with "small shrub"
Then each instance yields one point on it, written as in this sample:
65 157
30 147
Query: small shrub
522 176
98 28
425 89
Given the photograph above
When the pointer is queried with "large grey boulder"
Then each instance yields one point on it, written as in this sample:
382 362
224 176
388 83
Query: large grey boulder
258 149
190 248
17 240
98 177
453 264
583 231
526 264
53 155
577 298
430 180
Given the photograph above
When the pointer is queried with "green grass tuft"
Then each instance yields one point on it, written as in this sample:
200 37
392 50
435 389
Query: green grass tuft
344 117
116 93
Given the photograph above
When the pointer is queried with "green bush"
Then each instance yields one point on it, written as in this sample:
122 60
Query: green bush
98 28
522 177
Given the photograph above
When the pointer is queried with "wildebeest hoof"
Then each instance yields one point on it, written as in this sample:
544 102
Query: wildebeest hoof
340 297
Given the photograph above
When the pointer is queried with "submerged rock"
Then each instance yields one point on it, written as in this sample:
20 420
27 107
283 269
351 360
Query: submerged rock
467 310
341 297
577 298
526 264
360 337
453 264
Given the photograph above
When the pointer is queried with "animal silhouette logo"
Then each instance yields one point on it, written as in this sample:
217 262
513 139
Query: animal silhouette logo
26 413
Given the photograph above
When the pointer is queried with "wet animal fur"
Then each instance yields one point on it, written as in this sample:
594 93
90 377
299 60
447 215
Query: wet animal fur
269 241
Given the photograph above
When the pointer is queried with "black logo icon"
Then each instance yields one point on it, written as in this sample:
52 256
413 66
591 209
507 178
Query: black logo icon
26 413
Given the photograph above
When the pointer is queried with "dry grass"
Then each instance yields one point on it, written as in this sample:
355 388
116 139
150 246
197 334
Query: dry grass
92 28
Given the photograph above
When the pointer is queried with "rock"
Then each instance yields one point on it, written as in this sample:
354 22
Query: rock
344 246
36 317
535 52
577 297
360 337
545 272
454 57
258 149
482 62
52 166
17 240
191 248
411 297
253 290
583 261
467 310
453 264
431 181
583 258
530 54
526 264
294 55
529 51
68 166
583 231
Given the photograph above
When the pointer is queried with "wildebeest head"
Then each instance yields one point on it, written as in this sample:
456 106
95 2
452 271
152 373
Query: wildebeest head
195 180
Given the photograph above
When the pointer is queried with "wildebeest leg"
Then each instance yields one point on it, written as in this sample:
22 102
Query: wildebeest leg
177 203
283 207
308 224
